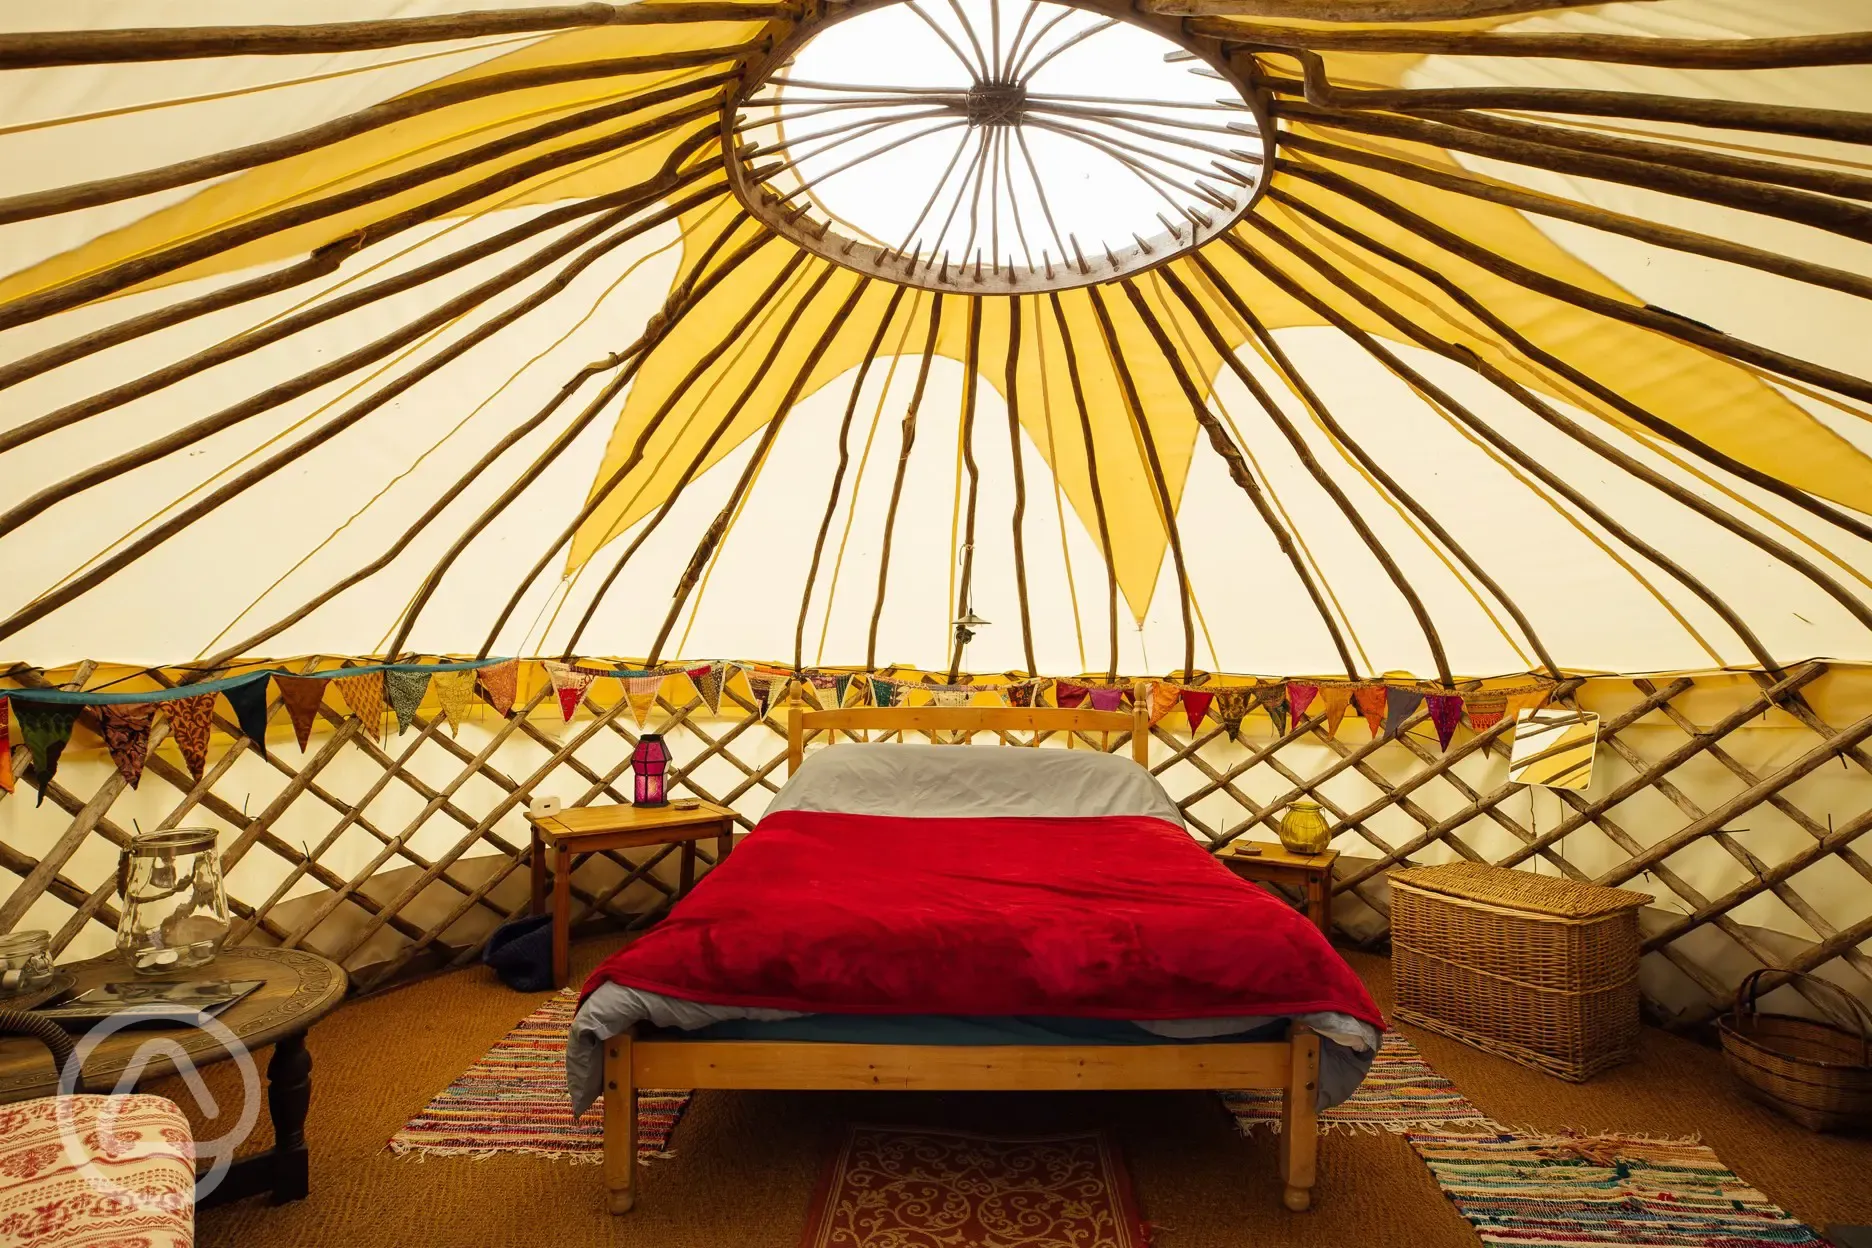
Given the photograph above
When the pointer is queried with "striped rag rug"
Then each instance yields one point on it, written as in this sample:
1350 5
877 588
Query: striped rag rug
1400 1094
514 1101
1560 1191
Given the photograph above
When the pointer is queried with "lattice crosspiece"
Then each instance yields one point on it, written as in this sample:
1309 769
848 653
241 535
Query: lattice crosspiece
1705 813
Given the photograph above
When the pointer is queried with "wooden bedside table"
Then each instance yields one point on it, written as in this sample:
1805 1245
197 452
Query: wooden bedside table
1275 865
589 829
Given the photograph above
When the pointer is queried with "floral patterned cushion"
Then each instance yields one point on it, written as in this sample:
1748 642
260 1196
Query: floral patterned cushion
96 1172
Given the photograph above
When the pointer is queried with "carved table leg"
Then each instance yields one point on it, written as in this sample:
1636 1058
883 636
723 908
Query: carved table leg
289 1094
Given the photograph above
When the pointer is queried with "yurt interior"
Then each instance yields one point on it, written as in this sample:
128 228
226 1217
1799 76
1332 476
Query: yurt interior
935 623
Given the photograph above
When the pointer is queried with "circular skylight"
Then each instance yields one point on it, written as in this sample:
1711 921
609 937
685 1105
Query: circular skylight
987 147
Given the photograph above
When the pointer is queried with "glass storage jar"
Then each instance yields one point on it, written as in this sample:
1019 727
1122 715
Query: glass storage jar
175 912
1303 829
25 962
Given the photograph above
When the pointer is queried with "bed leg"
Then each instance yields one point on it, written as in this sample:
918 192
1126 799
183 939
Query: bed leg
620 1126
1299 1147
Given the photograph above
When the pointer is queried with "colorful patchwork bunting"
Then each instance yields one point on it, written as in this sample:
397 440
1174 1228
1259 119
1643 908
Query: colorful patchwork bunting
570 685
951 695
126 736
1068 695
1196 705
1021 692
708 682
1335 700
1299 697
46 727
841 686
189 721
364 695
303 695
1273 698
1400 705
1445 713
1164 697
7 781
883 692
1232 705
1370 700
761 685
1108 699
405 691
455 694
1485 710
249 701
500 681
642 692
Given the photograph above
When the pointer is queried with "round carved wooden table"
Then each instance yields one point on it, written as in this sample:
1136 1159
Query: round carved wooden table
297 989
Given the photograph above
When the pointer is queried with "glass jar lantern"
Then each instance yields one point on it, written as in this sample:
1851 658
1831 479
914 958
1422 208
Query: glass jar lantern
650 767
175 912
25 963
1303 829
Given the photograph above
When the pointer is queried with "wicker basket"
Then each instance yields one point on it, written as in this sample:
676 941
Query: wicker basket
1815 1073
1539 970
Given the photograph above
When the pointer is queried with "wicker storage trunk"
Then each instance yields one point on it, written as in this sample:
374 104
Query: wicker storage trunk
1539 970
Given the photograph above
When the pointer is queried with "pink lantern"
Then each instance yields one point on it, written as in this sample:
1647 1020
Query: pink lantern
650 764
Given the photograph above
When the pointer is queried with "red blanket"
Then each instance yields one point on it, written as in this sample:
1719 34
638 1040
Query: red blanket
1116 917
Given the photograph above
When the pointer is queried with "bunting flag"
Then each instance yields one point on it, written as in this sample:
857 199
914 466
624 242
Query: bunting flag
303 695
189 721
1164 697
1485 710
951 695
364 696
1021 692
1400 705
1526 700
1232 705
46 727
126 735
500 682
841 685
762 687
405 690
642 692
1107 699
1370 700
1069 695
249 701
1273 698
883 692
7 781
570 684
1445 713
1299 697
1335 701
1196 705
708 682
455 694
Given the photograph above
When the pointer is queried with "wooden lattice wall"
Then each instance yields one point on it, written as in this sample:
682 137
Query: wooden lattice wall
402 856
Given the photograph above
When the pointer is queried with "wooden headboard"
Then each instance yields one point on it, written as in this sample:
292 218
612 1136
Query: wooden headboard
802 722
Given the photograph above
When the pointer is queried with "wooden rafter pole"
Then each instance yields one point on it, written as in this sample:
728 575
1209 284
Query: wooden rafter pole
1585 437
38 49
838 474
1791 52
1529 463
718 528
1309 396
1140 423
1092 478
386 113
1560 368
674 306
1363 11
903 466
136 270
971 386
692 299
1011 384
1224 446
105 568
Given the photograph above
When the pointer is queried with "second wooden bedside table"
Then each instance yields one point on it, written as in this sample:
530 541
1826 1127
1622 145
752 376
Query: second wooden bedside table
589 829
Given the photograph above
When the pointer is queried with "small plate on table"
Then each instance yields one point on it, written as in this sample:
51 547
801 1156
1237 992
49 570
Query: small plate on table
60 988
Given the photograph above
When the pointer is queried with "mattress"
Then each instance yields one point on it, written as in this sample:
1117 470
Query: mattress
943 894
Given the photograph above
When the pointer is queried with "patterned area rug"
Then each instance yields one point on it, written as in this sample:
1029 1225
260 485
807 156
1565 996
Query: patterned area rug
1575 1191
514 1101
1400 1094
893 1187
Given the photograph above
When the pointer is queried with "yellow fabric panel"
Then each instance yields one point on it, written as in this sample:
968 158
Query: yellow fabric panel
416 141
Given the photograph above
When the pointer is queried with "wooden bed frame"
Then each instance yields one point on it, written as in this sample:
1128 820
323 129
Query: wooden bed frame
1289 1066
